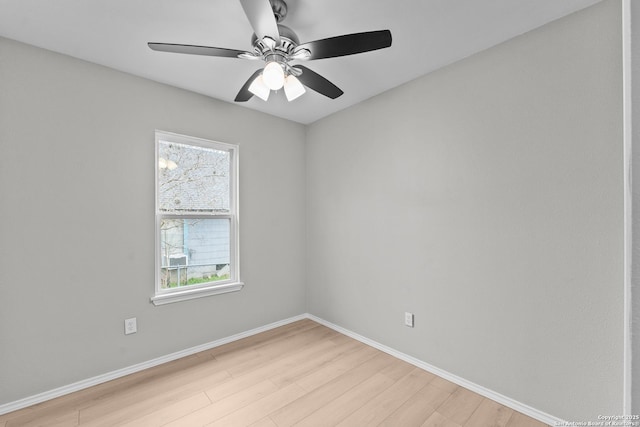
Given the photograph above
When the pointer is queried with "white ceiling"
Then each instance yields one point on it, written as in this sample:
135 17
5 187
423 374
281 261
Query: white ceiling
427 35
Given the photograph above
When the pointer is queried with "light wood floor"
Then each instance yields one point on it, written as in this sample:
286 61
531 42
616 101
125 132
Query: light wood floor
301 374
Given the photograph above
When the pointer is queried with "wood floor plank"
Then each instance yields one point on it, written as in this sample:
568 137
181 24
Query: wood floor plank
318 398
101 392
57 416
384 404
460 405
418 408
226 406
521 420
269 337
147 398
279 371
68 419
296 364
310 364
277 340
489 413
444 384
280 366
340 408
438 420
271 349
340 365
249 358
170 412
233 385
265 422
313 347
261 408
398 370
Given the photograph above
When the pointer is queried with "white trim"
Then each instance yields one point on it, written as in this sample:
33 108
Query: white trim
90 382
490 394
627 159
192 293
233 284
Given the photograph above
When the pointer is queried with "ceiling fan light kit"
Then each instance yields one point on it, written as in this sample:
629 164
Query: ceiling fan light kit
278 46
259 88
273 75
293 88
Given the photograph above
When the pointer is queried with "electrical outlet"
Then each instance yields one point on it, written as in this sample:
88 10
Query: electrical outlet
408 319
130 326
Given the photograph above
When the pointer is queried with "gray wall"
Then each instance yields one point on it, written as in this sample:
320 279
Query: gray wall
77 188
486 198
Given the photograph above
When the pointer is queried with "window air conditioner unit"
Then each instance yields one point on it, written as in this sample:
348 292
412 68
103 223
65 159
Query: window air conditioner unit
177 260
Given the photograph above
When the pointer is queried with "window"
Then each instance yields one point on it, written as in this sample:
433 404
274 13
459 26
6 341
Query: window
196 218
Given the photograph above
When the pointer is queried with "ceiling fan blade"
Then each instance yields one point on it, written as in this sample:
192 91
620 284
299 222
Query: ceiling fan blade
261 17
348 44
244 95
315 81
196 50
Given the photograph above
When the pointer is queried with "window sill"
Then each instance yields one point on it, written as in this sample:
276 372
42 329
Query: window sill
187 294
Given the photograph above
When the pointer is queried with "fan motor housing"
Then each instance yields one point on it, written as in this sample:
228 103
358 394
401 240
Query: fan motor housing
288 39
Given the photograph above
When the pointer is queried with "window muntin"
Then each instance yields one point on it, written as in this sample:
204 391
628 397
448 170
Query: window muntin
196 218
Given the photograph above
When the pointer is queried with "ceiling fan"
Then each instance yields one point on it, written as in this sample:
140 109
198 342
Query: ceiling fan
278 46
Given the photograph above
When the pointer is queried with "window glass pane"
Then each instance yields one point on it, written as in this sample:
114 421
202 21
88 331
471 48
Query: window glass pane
192 179
194 251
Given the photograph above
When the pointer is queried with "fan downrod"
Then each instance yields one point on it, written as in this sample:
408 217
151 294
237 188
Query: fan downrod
289 39
279 8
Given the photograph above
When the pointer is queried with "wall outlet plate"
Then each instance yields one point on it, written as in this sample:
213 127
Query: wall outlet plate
130 326
408 319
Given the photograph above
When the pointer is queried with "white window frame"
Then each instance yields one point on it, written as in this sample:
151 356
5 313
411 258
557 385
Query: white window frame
233 284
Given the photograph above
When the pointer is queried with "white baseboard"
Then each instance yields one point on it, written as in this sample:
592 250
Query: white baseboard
80 385
490 394
90 382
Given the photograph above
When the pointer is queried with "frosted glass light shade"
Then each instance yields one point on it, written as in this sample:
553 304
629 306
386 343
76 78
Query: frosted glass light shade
273 75
259 89
293 88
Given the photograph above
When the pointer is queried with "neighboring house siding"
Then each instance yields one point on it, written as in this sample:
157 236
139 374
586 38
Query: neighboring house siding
204 243
208 242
